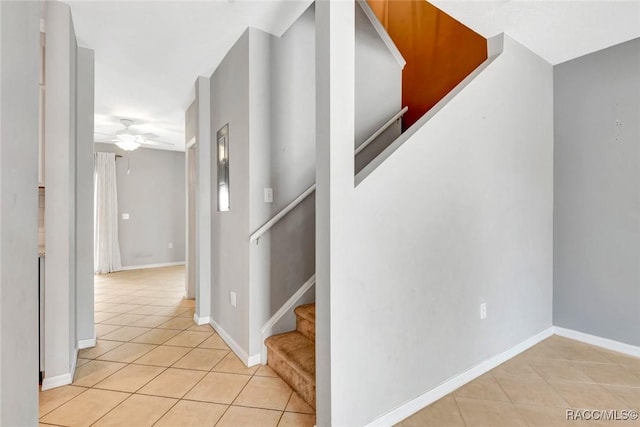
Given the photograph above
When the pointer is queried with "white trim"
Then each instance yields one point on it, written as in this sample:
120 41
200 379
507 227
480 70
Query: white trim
605 343
88 343
140 267
60 380
382 32
57 381
249 361
409 408
288 305
205 320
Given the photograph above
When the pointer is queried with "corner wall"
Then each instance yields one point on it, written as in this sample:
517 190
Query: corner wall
459 215
19 76
597 194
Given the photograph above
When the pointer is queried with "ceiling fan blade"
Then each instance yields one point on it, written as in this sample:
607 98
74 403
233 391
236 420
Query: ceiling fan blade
150 142
148 135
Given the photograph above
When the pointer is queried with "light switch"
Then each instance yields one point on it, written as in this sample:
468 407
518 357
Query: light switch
268 195
232 299
125 216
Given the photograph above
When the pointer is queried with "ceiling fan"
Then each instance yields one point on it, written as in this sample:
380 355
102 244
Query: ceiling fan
129 140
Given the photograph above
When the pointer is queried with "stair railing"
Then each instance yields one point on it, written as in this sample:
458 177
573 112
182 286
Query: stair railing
255 236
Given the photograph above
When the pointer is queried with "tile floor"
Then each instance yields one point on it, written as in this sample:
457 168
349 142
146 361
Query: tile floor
152 366
537 387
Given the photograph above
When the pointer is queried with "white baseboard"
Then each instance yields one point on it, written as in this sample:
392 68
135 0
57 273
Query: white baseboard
140 267
409 408
91 342
606 343
235 347
64 379
206 320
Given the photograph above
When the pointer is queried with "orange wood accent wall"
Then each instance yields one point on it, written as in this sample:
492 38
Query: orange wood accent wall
440 51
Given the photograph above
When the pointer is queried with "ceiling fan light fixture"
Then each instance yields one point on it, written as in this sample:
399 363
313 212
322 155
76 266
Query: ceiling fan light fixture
129 142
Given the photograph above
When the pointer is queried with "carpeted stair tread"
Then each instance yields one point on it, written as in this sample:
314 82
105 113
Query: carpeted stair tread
307 312
298 350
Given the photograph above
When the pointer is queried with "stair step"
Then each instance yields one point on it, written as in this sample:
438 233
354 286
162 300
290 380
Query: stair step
306 320
293 357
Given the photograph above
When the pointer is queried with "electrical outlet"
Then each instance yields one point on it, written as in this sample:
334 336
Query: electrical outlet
483 311
232 299
125 216
170 245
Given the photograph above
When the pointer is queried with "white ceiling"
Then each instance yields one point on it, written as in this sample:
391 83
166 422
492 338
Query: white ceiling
149 53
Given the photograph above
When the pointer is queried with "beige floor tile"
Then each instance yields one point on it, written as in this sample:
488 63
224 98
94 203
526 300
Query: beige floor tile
85 409
297 404
201 359
151 321
560 370
123 319
581 353
218 387
156 336
138 411
95 371
130 378
172 311
146 309
265 371
266 393
51 399
101 347
610 374
216 342
444 412
202 328
629 395
531 391
588 396
483 387
173 383
187 413
238 416
489 413
101 316
231 364
188 313
82 361
291 419
125 333
163 356
127 352
119 308
177 323
102 330
540 352
545 416
516 367
188 339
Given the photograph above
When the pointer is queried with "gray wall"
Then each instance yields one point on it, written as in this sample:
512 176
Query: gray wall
230 230
19 35
597 194
84 197
153 194
458 215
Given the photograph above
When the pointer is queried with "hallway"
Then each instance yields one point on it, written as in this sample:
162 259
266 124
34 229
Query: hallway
152 366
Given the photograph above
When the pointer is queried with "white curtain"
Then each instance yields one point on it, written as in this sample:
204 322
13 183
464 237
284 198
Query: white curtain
106 251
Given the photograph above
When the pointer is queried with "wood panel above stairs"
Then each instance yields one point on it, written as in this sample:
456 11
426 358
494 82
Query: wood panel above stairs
293 354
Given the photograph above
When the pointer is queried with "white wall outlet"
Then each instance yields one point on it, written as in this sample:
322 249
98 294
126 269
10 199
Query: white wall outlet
483 311
232 299
170 245
125 216
268 195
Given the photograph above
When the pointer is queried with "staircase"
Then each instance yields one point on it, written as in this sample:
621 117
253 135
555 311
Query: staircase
293 354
